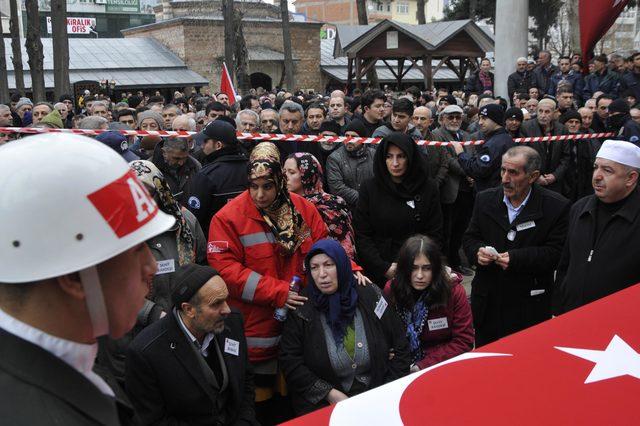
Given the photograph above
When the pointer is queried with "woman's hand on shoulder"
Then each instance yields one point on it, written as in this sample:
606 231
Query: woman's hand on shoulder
362 280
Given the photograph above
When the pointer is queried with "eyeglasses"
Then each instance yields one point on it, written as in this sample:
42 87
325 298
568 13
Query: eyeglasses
454 117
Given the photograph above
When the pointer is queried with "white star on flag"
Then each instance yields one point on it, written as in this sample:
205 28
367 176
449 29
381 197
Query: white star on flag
619 359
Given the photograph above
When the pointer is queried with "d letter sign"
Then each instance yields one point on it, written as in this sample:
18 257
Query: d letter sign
125 204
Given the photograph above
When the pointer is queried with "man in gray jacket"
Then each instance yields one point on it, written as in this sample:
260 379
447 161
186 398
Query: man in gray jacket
401 114
350 165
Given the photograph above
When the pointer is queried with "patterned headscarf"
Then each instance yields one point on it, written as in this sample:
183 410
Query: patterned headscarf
333 209
286 223
153 179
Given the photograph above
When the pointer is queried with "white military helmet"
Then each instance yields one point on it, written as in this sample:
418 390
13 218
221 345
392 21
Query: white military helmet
68 202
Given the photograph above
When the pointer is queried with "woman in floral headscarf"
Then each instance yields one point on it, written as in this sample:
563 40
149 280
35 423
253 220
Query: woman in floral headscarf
184 243
304 177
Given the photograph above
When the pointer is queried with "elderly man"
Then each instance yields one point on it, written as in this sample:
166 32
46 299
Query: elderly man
583 154
543 72
555 155
223 175
191 367
484 165
6 119
22 106
269 120
248 121
456 188
601 252
63 109
100 109
586 118
185 123
41 110
85 280
515 238
169 113
178 167
93 123
291 117
520 80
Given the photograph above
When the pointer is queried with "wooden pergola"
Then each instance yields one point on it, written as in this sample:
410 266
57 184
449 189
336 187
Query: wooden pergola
456 45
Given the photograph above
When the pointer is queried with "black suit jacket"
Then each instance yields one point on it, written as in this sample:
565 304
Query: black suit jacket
38 388
506 301
166 384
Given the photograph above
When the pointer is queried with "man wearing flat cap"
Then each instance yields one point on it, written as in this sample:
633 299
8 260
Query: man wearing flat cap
601 251
223 177
191 367
484 165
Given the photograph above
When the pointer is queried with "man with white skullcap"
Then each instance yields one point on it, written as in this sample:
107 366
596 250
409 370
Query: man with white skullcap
601 252
75 267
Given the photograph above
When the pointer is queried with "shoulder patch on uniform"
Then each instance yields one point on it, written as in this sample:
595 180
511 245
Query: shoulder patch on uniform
633 139
485 158
217 246
194 202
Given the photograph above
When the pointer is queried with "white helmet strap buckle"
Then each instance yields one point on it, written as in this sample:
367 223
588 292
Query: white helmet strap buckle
95 301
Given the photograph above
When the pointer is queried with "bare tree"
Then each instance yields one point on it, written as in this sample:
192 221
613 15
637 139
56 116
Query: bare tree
560 34
286 43
229 36
4 82
574 25
16 48
241 54
35 50
60 41
420 15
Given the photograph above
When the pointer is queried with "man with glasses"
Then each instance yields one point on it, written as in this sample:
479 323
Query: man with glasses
456 189
602 113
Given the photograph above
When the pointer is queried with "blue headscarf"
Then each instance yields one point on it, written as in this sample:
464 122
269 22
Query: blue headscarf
339 307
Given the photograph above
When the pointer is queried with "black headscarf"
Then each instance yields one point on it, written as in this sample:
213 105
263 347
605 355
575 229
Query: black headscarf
417 171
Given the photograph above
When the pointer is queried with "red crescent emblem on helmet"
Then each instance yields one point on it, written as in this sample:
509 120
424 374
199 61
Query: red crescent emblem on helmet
125 204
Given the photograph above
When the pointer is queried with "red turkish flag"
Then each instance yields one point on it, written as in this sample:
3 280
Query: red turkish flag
226 85
596 17
581 368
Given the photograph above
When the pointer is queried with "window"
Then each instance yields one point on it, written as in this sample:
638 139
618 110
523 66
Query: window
380 7
402 8
388 6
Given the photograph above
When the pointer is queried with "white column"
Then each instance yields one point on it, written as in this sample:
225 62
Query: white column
512 34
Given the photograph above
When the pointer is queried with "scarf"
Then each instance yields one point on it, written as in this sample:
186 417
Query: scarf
485 80
153 179
339 307
333 209
285 222
413 320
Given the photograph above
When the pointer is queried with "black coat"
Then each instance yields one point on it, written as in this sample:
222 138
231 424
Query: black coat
167 386
483 165
305 360
38 388
222 179
592 268
519 83
501 300
178 180
388 214
555 156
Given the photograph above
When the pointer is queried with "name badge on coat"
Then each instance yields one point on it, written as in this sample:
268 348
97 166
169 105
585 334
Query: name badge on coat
525 225
166 266
231 346
438 323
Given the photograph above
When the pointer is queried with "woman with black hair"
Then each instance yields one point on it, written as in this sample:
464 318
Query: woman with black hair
431 303
399 201
344 340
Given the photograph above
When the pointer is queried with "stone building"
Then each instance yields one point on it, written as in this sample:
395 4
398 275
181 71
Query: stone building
194 31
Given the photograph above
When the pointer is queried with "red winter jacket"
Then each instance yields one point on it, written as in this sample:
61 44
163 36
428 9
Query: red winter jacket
243 249
448 330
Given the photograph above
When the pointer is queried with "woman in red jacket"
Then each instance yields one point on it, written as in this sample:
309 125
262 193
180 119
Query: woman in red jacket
432 304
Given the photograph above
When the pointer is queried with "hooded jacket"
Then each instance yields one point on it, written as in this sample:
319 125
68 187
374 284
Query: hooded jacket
387 213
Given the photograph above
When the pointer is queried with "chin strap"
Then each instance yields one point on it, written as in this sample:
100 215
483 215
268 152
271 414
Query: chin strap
95 301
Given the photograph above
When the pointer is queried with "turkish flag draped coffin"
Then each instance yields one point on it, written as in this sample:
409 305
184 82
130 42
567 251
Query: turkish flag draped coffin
582 368
596 17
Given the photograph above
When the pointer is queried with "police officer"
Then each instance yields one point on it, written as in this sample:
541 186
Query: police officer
224 176
73 224
484 165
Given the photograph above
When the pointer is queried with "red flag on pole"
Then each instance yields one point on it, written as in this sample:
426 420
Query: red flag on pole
226 85
596 17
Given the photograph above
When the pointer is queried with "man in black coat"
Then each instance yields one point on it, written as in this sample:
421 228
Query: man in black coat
483 166
515 238
520 80
191 367
224 176
601 253
172 157
555 155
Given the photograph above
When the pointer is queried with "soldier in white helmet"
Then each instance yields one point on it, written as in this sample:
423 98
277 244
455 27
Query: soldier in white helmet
74 267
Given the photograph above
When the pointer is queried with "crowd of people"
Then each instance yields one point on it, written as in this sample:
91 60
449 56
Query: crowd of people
232 281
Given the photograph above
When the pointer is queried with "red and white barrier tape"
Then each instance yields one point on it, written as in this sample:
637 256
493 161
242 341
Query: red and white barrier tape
294 138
